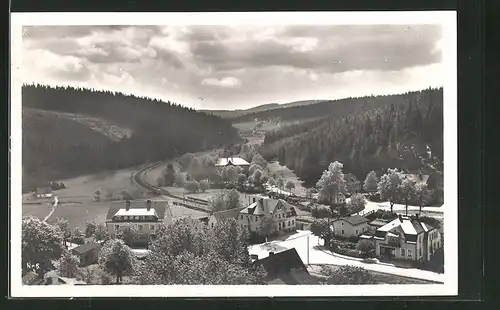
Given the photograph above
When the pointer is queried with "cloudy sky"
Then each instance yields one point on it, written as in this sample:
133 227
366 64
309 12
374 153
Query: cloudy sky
232 67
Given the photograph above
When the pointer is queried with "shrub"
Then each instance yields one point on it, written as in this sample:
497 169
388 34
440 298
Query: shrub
366 247
321 212
349 275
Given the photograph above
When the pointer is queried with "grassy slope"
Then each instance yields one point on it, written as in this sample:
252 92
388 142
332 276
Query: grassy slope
44 128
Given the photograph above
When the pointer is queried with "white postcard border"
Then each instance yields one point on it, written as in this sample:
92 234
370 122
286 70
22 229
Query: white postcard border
448 19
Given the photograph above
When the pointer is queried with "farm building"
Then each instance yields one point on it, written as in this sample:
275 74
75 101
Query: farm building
222 215
88 253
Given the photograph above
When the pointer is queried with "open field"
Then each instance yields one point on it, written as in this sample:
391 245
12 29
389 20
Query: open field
37 210
179 211
77 214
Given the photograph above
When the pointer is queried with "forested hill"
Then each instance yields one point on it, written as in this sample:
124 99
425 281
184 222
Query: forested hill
341 107
63 133
396 135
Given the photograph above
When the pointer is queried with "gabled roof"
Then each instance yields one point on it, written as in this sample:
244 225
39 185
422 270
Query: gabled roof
410 227
158 206
136 212
293 277
282 263
226 214
354 219
236 161
84 248
378 222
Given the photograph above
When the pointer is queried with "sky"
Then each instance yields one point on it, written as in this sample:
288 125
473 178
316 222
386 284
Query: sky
236 67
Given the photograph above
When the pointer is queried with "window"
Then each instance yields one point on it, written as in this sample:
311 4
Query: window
420 252
342 231
140 227
241 217
293 222
152 227
212 225
356 231
256 219
402 252
117 227
342 223
288 223
409 253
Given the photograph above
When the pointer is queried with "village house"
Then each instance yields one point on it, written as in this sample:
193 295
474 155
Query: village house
285 268
222 215
351 226
88 253
283 215
43 192
145 216
407 239
233 161
353 185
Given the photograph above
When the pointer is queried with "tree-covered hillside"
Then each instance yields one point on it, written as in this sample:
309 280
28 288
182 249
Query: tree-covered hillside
57 147
375 134
340 107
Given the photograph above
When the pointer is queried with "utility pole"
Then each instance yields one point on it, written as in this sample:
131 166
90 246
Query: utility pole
308 250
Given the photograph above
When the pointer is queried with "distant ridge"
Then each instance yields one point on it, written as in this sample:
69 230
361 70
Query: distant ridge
260 108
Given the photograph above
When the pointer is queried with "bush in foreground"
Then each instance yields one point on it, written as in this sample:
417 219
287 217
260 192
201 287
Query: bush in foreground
348 275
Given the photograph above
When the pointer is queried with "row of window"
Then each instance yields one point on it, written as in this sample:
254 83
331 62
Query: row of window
136 218
408 252
256 218
140 227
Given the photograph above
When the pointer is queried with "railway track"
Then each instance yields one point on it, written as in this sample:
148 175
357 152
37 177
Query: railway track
138 178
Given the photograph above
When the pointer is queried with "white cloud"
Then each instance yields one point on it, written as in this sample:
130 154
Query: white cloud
225 82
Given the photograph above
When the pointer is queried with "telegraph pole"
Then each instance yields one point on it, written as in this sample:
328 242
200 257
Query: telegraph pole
308 250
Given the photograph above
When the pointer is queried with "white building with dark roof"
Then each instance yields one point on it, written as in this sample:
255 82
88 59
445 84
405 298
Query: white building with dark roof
232 161
145 216
351 226
259 207
407 239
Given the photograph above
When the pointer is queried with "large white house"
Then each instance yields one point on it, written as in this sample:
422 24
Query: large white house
407 239
146 216
232 161
282 214
351 226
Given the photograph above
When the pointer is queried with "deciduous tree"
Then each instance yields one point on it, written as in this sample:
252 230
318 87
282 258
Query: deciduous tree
204 185
421 195
41 243
192 186
101 233
371 182
366 247
389 186
331 183
68 265
407 191
117 259
90 228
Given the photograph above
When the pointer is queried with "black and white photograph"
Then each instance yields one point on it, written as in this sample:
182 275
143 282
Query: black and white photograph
233 154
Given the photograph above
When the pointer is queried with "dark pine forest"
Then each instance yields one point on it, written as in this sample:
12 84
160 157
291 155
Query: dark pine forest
370 133
55 147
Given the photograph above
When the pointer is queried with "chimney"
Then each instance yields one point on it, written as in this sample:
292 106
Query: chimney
148 204
271 253
127 205
416 215
400 218
253 199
